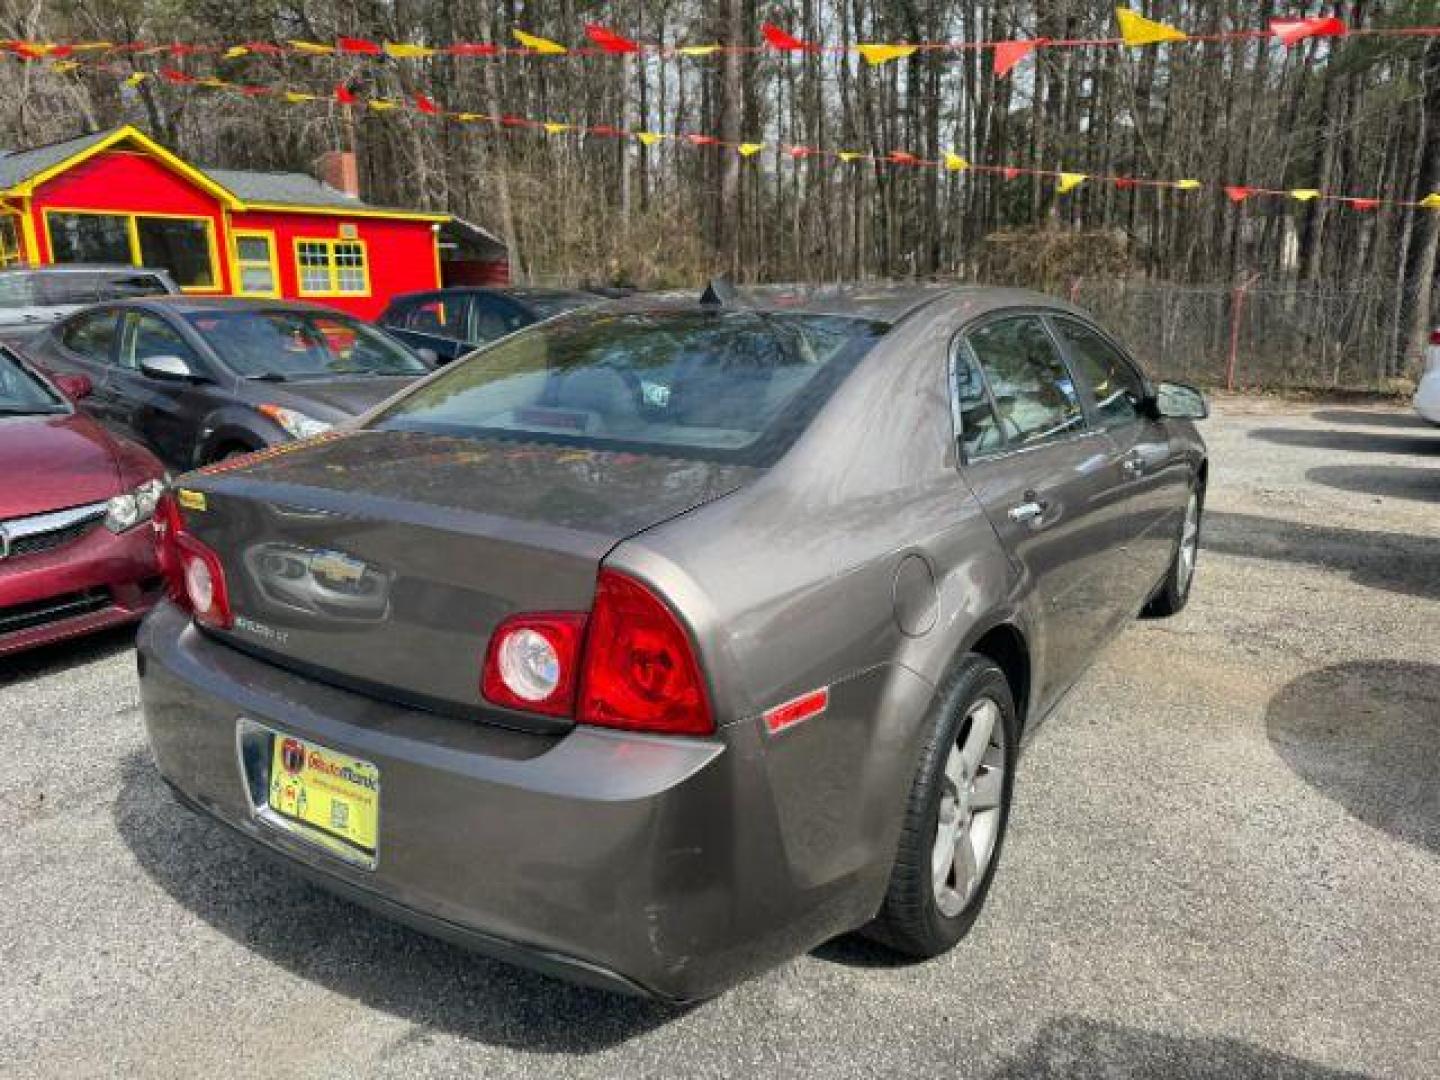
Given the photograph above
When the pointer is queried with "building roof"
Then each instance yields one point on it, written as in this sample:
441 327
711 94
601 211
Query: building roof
239 186
17 166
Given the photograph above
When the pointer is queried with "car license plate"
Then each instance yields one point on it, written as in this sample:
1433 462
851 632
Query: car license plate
334 794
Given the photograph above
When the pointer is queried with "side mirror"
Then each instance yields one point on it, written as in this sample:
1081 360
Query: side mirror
166 367
430 356
1178 401
73 387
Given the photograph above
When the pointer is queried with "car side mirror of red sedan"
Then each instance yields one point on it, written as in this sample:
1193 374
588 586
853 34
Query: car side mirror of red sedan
75 386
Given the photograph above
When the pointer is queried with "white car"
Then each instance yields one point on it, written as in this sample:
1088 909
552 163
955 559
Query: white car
1427 394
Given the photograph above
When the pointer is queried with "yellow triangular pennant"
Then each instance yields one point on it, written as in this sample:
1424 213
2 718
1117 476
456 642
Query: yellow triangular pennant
468 117
649 138
314 48
1069 181
235 52
404 50
1304 194
93 46
849 155
294 97
697 50
1138 30
956 163
1186 185
553 127
382 104
539 44
748 149
62 66
214 83
135 79
1431 201
875 55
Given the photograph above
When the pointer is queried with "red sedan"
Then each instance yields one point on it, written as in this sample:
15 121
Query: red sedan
76 552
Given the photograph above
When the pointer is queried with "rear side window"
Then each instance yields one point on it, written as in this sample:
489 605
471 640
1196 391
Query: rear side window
1033 393
90 335
440 316
1114 382
493 318
717 385
980 432
147 336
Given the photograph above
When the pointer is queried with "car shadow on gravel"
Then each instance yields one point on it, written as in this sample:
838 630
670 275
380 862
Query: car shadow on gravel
60 657
1366 734
1422 442
1398 562
1416 483
1076 1048
253 899
1370 418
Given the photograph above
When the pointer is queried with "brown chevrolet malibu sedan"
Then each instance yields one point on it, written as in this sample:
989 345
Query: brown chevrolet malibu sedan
660 642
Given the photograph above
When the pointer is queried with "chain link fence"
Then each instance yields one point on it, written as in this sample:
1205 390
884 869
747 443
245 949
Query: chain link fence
1257 336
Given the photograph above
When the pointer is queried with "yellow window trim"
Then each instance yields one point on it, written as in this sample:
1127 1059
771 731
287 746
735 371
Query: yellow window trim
12 247
133 233
330 243
344 211
237 264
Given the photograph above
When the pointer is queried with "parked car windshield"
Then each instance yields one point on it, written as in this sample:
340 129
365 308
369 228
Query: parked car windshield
279 344
21 393
733 386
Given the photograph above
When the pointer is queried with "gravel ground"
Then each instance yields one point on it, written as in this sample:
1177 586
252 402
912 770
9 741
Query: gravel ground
1224 862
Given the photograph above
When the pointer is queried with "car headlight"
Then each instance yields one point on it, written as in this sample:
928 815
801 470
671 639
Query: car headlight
131 508
294 422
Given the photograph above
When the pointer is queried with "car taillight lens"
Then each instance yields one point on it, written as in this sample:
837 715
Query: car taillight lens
640 670
1435 336
194 578
533 662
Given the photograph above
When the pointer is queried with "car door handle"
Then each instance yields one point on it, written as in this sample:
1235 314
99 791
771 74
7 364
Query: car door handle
1027 511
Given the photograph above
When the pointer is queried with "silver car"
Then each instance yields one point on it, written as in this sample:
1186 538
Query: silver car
658 643
33 298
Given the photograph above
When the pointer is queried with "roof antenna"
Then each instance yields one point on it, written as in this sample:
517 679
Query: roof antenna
719 292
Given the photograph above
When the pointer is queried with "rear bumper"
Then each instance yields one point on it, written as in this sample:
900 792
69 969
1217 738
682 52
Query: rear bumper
641 864
98 581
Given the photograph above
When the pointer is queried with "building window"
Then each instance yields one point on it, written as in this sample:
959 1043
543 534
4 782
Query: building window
332 268
184 246
9 240
255 271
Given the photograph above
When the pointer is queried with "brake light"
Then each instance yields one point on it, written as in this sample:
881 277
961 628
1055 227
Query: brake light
1435 336
640 670
533 662
194 577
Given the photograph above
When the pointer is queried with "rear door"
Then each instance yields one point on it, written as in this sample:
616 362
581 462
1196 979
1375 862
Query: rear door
492 317
1151 480
1039 469
85 343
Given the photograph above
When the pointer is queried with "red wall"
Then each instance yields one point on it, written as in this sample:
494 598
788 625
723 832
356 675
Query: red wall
400 253
132 182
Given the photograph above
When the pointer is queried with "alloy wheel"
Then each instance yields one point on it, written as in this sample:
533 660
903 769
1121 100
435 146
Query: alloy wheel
968 825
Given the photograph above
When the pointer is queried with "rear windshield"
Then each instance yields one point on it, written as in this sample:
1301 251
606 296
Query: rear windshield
731 386
281 345
548 305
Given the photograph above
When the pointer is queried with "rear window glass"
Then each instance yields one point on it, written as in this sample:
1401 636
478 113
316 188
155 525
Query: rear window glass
732 386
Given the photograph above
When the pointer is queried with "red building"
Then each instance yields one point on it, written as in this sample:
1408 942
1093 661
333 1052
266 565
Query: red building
120 197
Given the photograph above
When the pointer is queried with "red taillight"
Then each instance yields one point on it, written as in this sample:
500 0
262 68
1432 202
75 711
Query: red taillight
640 671
194 577
1435 336
533 662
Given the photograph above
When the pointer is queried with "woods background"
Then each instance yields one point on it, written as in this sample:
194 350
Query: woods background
1331 295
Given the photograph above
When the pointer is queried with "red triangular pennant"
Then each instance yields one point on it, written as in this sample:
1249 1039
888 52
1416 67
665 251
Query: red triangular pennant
344 95
1010 53
171 75
358 46
902 157
610 41
472 48
1364 204
1291 31
1010 172
1125 183
425 105
799 151
779 39
1238 194
702 140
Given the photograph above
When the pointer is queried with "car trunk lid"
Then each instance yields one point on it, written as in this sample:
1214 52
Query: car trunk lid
381 561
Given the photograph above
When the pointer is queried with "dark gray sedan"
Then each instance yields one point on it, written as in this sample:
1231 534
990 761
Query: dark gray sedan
199 379
661 642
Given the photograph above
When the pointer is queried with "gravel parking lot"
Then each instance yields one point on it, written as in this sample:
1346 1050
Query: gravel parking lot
1224 862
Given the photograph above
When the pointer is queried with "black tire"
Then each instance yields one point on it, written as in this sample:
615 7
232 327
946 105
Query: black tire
1174 591
911 920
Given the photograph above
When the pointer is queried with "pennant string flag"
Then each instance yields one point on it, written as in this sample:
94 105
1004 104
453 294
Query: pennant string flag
875 55
539 44
1010 53
1135 29
1069 181
1293 31
609 41
780 40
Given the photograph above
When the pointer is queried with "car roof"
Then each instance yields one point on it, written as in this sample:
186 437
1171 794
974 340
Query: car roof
83 268
187 305
518 292
886 302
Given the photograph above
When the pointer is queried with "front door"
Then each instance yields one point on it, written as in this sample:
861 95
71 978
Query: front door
1039 469
1151 480
163 413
